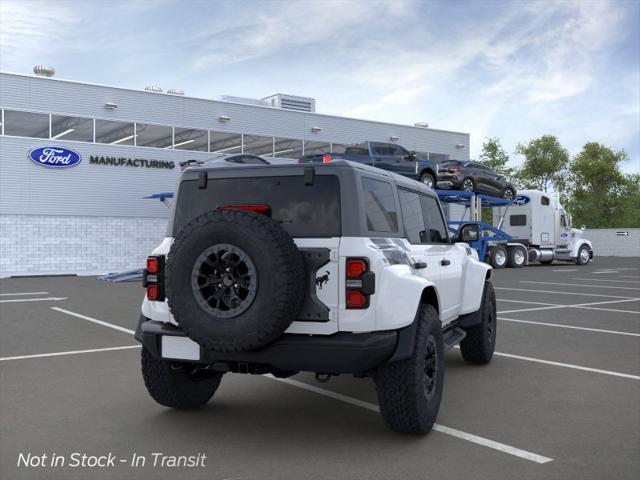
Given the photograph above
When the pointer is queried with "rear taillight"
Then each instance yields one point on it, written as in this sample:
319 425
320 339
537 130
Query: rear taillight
360 283
326 158
264 209
153 278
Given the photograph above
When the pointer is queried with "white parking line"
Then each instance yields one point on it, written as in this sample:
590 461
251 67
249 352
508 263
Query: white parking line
527 301
635 312
517 452
579 305
23 293
72 352
562 293
94 320
629 276
580 285
47 299
566 270
606 271
568 365
597 330
605 280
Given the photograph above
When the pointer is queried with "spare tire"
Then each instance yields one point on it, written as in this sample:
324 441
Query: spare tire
234 280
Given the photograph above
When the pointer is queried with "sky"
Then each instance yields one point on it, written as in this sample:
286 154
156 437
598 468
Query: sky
509 69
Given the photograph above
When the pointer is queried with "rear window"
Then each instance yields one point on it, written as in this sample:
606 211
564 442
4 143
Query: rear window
303 210
357 150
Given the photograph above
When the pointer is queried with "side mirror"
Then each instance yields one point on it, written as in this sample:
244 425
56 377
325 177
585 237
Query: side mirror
411 157
469 232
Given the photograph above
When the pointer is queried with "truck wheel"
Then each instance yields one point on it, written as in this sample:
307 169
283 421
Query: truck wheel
498 256
517 257
584 255
178 384
235 280
480 342
428 180
409 391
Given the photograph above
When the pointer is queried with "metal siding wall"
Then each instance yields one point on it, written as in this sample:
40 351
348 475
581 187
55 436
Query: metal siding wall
58 96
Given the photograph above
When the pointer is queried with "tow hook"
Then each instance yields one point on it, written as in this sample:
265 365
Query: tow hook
323 377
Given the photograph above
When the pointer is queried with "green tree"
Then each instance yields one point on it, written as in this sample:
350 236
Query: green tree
495 157
599 192
630 216
545 164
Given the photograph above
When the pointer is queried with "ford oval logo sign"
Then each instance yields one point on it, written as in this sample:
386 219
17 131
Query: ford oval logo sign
521 200
55 157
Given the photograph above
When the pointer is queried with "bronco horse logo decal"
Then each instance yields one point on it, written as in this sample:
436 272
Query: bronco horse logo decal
322 280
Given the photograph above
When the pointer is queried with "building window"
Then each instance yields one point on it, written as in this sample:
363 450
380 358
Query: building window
226 143
190 139
157 136
26 124
258 145
338 148
380 206
114 133
287 148
71 128
316 148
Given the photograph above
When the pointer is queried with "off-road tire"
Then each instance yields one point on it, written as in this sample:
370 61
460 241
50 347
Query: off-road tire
176 384
480 342
401 385
494 256
280 278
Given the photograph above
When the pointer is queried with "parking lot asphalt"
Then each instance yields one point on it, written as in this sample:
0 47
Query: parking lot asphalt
561 398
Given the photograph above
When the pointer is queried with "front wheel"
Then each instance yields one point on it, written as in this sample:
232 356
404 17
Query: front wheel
480 342
508 194
584 255
178 384
409 391
428 180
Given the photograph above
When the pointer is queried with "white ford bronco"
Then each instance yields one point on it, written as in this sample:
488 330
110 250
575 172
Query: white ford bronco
331 268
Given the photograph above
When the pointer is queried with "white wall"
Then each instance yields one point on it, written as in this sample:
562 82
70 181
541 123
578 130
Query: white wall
609 242
83 245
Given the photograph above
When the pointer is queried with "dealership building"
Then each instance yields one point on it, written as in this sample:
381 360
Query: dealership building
77 160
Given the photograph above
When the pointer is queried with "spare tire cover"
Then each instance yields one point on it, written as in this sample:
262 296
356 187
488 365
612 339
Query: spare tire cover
234 280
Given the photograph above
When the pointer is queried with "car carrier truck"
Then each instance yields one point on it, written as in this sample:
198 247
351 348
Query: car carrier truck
538 221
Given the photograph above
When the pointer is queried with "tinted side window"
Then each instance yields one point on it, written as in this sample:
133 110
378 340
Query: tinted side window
412 216
379 206
518 220
436 228
381 149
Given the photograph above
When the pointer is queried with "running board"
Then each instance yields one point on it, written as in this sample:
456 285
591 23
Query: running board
452 337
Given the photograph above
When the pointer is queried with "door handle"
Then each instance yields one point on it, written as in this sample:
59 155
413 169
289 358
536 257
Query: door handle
445 262
419 265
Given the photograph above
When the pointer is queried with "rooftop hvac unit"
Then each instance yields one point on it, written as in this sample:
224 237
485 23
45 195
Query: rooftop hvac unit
175 91
44 71
153 88
291 102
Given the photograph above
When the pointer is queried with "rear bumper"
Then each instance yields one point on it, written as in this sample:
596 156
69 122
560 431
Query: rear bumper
338 353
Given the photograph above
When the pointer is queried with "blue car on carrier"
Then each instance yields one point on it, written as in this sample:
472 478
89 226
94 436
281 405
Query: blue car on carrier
387 156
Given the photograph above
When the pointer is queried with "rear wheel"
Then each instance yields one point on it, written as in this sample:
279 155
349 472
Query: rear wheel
498 256
468 185
409 391
428 180
480 342
178 384
517 257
